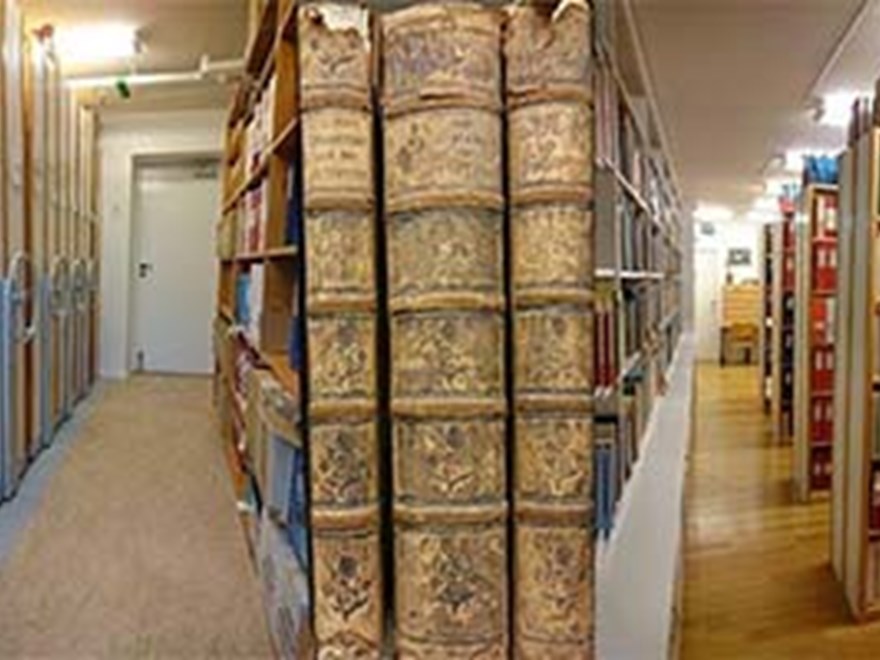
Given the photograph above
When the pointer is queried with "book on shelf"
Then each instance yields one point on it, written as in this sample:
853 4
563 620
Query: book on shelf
826 215
825 267
822 411
258 132
820 468
294 225
605 337
823 323
605 429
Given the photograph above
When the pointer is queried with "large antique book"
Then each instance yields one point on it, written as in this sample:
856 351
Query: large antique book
441 103
550 130
335 64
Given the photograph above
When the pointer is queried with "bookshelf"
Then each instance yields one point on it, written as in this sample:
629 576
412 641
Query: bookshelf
638 273
816 285
783 323
262 384
770 244
856 454
257 237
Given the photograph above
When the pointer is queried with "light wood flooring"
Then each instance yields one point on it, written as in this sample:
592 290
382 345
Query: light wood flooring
758 579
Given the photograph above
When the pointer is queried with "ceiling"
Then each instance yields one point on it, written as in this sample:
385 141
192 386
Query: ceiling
175 35
735 82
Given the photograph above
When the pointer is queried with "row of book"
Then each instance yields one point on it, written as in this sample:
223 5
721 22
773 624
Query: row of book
822 320
259 129
644 248
822 419
820 467
624 329
822 371
767 324
249 295
788 278
253 216
620 432
271 468
619 143
825 216
605 336
825 267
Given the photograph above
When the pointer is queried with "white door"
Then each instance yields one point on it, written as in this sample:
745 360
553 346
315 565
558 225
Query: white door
708 303
176 205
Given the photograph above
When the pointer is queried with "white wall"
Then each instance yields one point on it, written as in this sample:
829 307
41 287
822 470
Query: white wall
728 235
124 137
733 235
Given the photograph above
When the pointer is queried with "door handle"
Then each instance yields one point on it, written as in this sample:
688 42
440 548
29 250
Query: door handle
144 269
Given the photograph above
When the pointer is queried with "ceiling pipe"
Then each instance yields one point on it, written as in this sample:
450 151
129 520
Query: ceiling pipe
207 71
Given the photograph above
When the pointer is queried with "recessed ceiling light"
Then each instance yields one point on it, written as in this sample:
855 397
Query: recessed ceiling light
87 44
712 213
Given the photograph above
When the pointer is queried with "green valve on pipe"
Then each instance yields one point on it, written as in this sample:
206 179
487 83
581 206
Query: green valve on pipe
123 89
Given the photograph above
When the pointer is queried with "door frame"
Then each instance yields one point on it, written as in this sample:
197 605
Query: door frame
139 161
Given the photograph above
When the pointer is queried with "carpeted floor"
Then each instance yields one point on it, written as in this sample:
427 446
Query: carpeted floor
135 550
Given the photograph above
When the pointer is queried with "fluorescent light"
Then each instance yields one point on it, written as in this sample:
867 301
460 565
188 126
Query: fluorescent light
837 108
712 213
766 204
87 44
776 186
794 159
761 216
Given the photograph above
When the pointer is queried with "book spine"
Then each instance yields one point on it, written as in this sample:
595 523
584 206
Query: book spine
441 99
550 134
338 193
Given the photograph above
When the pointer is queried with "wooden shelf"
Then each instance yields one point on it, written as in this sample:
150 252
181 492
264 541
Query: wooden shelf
277 363
287 252
280 367
287 23
251 182
641 275
284 145
263 40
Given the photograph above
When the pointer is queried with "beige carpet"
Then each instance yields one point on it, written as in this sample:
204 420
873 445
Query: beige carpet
135 550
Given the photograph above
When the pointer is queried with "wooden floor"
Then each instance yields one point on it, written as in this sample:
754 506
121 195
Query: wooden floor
758 580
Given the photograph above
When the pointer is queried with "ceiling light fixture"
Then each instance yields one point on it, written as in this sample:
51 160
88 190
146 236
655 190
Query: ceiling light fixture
795 158
766 204
779 185
712 213
761 216
88 44
836 108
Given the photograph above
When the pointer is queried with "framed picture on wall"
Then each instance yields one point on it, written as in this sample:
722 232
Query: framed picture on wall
739 257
